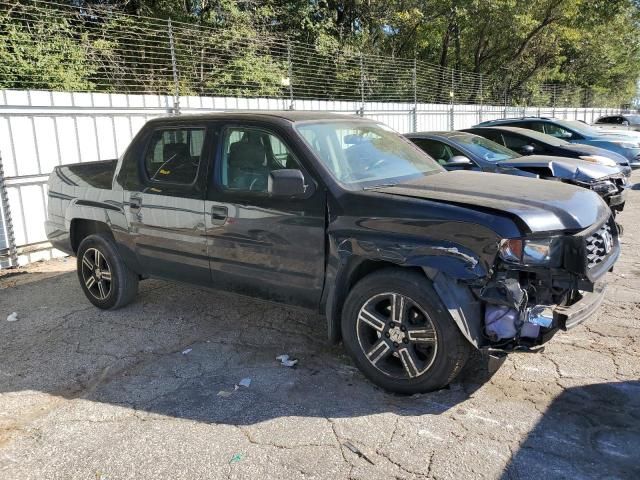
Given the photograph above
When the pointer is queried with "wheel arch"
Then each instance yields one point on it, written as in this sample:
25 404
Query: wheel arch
81 228
455 295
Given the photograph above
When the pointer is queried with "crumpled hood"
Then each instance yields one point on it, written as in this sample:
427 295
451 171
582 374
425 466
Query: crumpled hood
543 206
565 168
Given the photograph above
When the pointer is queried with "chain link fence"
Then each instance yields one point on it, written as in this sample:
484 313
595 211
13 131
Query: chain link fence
60 47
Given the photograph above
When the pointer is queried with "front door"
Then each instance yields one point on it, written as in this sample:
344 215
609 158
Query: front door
260 245
166 204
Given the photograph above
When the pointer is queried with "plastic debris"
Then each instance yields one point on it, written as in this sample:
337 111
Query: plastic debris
12 317
184 352
287 361
224 393
357 451
245 382
236 458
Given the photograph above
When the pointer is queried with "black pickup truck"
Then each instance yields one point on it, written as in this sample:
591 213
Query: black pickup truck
413 266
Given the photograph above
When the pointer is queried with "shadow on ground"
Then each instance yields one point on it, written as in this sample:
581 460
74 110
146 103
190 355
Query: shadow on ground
179 351
589 431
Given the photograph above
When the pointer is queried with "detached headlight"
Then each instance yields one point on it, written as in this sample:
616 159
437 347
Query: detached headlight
598 159
604 188
528 252
628 144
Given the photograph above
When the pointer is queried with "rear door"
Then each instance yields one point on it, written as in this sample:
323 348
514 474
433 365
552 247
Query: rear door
260 245
165 202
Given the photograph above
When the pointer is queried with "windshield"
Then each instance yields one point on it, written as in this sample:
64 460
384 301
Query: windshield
485 149
362 155
633 119
581 128
543 137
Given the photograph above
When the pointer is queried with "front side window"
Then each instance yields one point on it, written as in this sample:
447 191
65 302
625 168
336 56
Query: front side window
439 151
249 154
485 149
173 155
557 131
362 154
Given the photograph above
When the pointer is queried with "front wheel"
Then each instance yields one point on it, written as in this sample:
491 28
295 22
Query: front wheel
400 335
104 277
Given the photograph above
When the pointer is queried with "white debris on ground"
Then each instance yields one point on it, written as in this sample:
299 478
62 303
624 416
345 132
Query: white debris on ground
12 317
287 361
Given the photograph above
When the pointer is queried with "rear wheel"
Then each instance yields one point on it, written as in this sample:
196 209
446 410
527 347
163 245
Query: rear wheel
400 335
104 277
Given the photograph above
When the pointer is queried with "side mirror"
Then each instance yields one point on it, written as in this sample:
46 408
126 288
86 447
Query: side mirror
625 123
458 161
286 183
527 150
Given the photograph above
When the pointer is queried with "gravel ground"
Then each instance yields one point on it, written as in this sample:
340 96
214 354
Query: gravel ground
148 392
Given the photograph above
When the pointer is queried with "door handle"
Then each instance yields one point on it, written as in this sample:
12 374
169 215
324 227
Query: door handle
135 204
219 213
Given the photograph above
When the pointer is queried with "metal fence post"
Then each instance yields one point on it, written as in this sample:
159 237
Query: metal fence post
174 66
480 108
504 112
415 96
5 220
361 112
553 105
290 75
451 95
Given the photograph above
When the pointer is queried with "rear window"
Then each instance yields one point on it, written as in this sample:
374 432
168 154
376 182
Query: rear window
173 155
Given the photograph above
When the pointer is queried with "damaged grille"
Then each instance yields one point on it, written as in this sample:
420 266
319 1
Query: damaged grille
599 245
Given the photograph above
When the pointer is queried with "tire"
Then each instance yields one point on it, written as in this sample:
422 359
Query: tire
399 334
110 286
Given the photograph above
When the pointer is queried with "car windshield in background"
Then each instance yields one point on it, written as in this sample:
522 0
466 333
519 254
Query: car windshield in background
485 149
363 155
633 119
545 138
581 128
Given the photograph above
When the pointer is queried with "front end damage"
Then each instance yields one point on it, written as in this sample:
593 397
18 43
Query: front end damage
525 305
613 190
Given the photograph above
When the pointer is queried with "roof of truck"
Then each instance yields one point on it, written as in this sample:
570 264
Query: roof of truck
290 115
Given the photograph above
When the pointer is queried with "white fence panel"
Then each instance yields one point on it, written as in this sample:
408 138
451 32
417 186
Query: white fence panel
40 130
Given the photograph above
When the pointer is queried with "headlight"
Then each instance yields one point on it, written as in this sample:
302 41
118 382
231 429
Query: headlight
598 159
628 144
528 252
604 188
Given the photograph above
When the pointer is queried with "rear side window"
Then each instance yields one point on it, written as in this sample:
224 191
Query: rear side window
173 155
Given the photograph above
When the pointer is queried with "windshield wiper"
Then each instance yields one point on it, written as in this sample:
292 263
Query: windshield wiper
382 185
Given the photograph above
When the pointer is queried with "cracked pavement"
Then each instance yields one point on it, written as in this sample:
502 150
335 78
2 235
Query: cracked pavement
110 395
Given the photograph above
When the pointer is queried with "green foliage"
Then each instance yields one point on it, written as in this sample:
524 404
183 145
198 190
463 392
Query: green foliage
589 48
26 61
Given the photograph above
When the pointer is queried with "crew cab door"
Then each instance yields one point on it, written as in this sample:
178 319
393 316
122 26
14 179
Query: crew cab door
164 202
259 244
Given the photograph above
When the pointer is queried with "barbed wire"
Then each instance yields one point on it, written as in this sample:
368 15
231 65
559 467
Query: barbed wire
53 46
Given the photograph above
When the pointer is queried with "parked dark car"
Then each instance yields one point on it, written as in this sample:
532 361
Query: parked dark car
413 266
531 142
623 143
624 122
465 151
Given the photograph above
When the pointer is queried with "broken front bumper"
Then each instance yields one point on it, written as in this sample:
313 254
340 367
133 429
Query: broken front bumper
617 200
569 316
